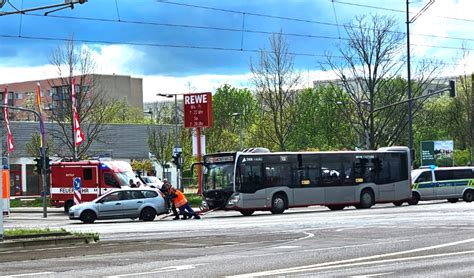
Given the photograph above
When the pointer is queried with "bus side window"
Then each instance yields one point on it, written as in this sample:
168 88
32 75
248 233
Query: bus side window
364 170
251 177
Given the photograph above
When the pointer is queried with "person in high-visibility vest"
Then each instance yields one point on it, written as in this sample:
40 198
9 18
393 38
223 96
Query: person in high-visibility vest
180 201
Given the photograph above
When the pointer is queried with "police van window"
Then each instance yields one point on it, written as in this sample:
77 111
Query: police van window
87 174
110 180
424 177
443 175
462 174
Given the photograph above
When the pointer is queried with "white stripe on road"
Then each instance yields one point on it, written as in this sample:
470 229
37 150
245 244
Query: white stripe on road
160 270
372 275
27 274
351 262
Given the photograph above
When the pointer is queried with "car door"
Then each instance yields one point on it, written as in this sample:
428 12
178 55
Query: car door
424 185
133 200
445 185
110 206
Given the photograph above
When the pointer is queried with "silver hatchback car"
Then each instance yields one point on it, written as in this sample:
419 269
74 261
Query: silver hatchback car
141 203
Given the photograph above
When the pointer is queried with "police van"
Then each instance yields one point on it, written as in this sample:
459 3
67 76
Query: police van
435 183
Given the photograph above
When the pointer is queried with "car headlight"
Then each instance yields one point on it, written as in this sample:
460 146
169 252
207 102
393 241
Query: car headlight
233 200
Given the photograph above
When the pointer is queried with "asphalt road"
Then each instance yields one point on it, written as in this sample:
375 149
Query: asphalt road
430 239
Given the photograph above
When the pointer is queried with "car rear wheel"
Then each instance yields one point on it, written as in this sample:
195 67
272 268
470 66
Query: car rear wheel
398 203
88 217
148 214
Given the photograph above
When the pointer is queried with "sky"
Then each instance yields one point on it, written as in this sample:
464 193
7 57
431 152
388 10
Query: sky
178 46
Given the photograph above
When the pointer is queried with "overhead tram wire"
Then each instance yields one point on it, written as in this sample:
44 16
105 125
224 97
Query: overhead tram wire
224 29
160 45
396 10
314 21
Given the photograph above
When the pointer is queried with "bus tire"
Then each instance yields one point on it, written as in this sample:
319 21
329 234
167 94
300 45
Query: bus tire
366 199
247 212
415 198
336 207
279 204
88 217
67 205
148 214
468 196
398 203
453 200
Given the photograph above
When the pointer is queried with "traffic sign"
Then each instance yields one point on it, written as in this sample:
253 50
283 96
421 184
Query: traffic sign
198 110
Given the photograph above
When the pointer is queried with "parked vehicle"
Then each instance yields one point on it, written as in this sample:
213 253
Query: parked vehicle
96 177
141 203
435 183
151 181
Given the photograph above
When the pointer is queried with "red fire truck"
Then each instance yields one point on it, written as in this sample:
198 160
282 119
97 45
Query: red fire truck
97 178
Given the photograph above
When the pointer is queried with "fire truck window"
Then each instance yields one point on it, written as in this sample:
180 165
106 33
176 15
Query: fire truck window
110 180
87 174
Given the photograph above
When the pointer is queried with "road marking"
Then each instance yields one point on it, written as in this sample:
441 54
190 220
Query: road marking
353 262
372 275
27 274
160 270
286 247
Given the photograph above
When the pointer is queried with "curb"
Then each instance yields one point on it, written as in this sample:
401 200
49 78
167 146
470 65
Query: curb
68 240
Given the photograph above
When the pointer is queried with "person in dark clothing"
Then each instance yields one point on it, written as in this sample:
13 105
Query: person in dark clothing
131 183
165 190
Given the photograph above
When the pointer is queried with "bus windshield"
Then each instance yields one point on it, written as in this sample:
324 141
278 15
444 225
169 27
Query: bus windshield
219 176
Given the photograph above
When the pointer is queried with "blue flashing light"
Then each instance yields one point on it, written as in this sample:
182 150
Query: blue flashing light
103 166
432 167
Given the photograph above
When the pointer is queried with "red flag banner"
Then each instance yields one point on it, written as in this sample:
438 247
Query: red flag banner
78 135
7 122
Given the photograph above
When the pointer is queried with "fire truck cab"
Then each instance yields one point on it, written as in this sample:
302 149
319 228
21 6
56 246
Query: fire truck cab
97 178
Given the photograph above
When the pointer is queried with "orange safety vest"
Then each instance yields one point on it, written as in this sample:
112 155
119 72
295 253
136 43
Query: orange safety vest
180 200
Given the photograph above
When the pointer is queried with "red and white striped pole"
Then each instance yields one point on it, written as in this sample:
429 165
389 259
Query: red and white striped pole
77 190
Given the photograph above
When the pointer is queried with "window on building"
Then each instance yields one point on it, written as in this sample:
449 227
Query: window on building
18 96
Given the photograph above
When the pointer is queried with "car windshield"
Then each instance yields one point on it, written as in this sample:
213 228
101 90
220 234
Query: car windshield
219 176
151 179
125 177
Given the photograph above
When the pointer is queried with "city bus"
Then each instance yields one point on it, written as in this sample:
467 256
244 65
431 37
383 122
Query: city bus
257 179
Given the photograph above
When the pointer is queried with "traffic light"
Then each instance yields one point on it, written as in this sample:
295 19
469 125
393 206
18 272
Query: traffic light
452 88
47 164
39 165
177 160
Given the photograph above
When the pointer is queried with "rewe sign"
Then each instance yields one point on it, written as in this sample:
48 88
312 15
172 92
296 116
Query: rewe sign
198 110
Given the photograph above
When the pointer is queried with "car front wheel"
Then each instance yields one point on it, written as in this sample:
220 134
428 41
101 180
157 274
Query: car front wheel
148 214
88 217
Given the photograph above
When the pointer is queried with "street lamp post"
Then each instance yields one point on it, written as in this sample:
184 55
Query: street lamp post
241 130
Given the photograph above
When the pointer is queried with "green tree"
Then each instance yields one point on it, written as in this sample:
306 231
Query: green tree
123 113
319 123
232 109
143 166
33 147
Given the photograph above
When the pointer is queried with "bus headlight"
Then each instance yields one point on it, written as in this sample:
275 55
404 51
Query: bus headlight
233 200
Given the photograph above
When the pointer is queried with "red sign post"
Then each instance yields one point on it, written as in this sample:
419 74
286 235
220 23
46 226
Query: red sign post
198 114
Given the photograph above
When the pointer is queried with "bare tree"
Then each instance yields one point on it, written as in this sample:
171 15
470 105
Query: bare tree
370 73
276 80
93 106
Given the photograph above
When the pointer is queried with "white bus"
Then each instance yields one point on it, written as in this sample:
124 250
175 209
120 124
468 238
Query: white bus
256 179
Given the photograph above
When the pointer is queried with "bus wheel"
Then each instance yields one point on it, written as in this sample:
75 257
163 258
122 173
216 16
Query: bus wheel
247 212
68 205
415 198
278 204
468 196
453 200
398 203
336 207
88 217
366 199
